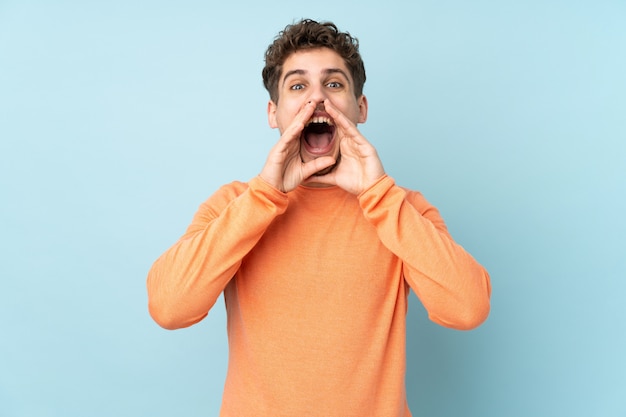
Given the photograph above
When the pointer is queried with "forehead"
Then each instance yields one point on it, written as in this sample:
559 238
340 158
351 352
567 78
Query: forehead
313 62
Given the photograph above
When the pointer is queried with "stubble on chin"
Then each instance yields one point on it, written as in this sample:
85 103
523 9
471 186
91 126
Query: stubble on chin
329 169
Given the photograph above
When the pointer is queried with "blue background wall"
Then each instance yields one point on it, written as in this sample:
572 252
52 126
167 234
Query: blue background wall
117 119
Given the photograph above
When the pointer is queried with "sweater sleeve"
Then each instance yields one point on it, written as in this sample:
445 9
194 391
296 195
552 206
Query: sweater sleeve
452 286
184 283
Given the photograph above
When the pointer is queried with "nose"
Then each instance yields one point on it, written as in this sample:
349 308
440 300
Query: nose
317 96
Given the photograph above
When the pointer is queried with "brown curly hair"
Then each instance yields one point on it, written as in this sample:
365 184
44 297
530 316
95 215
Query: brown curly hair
309 34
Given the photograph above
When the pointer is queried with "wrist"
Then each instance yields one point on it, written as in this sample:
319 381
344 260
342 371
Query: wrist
268 181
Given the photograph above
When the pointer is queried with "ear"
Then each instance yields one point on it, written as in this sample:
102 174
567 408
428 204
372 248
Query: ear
271 114
362 101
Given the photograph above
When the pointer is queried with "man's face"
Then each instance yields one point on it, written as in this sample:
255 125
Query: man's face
316 75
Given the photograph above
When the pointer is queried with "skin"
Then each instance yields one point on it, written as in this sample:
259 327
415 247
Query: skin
317 83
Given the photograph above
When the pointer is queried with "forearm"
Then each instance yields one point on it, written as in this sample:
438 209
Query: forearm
184 283
454 288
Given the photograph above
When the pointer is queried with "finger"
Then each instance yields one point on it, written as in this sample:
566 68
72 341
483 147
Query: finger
316 165
341 120
348 133
296 127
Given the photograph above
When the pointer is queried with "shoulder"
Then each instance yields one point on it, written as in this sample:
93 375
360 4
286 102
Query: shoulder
425 208
417 200
215 204
223 196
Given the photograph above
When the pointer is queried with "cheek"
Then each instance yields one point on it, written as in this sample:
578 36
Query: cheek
285 116
349 107
352 113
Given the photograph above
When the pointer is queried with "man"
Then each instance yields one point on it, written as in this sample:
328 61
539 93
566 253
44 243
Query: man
316 255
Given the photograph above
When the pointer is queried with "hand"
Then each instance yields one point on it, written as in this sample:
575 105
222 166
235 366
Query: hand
284 168
359 167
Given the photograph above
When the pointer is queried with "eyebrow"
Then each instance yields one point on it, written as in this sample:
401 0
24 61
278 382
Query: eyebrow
325 72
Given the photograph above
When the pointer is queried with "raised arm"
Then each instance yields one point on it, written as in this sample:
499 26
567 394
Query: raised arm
184 283
187 279
453 287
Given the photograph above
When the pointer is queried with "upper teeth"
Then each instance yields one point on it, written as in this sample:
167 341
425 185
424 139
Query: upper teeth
320 119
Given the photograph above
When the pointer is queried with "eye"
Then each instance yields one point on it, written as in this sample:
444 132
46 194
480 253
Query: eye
334 84
297 87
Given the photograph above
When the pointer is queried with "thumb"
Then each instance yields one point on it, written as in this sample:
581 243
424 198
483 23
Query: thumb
316 165
326 179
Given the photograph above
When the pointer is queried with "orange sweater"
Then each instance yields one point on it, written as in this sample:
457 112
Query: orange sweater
316 284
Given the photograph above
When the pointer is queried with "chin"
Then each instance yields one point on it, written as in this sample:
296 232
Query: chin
329 169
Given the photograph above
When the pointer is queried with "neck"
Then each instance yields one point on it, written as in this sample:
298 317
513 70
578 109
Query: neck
314 184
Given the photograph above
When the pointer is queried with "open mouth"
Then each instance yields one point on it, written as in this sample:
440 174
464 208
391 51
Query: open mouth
318 135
